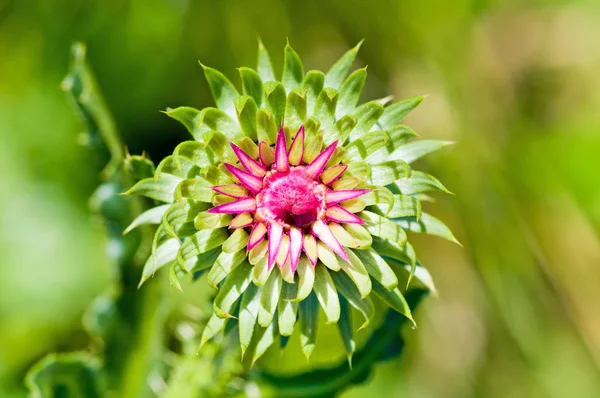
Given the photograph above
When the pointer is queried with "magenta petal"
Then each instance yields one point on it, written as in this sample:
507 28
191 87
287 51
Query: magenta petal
296 238
282 162
322 231
333 197
275 235
257 235
249 164
250 181
341 215
315 168
239 206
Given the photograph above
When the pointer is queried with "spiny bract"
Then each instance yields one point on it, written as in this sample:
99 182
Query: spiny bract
292 173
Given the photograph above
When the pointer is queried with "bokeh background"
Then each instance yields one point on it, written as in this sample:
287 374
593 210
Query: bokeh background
514 83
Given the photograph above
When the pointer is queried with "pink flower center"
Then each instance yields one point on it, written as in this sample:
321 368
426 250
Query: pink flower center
291 197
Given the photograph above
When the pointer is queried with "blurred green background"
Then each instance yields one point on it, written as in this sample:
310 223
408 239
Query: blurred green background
515 83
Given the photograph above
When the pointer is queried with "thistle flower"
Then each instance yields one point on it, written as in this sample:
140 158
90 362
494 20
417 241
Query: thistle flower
292 197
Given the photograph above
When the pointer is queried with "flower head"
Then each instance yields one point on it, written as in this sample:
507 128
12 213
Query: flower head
292 173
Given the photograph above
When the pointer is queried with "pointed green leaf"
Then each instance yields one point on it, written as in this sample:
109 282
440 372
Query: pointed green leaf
224 264
382 227
324 109
360 170
340 130
161 188
246 109
258 252
163 255
378 196
399 135
350 92
396 112
264 339
347 288
309 321
178 220
286 312
203 260
269 299
362 147
224 93
357 272
327 294
345 327
173 279
361 236
213 119
419 182
219 144
214 326
293 72
235 284
335 76
295 111
313 84
306 278
313 148
200 242
266 126
422 275
377 268
206 220
197 189
417 149
393 298
238 240
248 315
264 68
185 115
152 216
216 175
252 84
193 152
275 101
342 236
367 115
403 206
327 256
392 250
387 172
261 272
427 224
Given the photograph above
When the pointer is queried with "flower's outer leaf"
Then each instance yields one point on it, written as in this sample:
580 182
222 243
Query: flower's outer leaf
340 130
393 298
275 100
223 91
287 310
360 235
197 189
327 256
261 271
258 252
417 149
309 320
382 227
204 260
185 115
266 126
342 236
350 92
390 250
396 112
213 119
360 170
225 264
178 220
269 299
163 255
248 315
313 148
422 275
362 147
306 278
387 172
76 375
377 268
200 242
348 289
427 224
235 284
345 327
161 188
399 135
264 67
295 111
265 337
378 196
206 220
313 84
238 240
357 272
336 75
173 279
252 84
327 294
214 326
245 107
354 205
419 182
152 216
193 152
324 109
367 115
293 72
403 206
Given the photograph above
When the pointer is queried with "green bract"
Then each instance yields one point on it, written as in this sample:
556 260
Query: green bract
357 247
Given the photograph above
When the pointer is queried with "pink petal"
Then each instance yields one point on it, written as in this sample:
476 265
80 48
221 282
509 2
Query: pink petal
257 235
265 153
332 174
314 169
282 162
341 215
275 235
310 248
333 197
322 231
249 164
297 147
239 206
296 239
231 190
250 181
